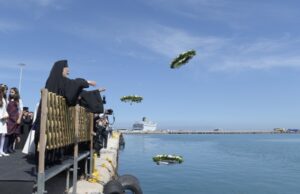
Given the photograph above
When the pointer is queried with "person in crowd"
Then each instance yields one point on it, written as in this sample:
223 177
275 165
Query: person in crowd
5 97
29 147
13 121
25 126
100 132
59 83
3 119
97 139
5 88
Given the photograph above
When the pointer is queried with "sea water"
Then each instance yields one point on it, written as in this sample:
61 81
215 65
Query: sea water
215 164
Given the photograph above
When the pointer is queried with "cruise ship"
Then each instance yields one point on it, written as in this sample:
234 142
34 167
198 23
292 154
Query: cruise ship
144 125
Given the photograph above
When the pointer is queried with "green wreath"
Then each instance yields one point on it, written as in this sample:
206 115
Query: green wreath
182 59
167 159
132 98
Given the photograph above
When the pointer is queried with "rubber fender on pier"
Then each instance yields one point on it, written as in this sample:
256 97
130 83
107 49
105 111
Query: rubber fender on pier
121 142
113 187
131 183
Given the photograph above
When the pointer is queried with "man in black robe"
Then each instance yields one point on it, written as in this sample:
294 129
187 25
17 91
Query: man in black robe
72 89
60 84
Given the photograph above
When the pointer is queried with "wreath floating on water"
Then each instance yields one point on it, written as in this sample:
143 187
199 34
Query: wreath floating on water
167 159
182 59
132 98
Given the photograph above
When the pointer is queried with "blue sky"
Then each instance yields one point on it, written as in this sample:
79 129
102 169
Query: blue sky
245 74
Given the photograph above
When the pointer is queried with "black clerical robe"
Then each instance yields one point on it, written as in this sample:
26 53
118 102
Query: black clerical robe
92 101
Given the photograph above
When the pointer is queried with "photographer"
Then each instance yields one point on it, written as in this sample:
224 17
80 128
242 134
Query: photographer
100 130
101 124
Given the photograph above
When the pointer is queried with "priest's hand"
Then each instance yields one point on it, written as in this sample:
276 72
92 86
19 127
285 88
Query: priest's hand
92 83
101 89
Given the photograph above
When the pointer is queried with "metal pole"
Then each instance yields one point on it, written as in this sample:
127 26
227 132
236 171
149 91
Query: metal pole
91 145
75 165
20 78
68 181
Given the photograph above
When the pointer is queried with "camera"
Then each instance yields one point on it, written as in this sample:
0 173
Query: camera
103 100
108 111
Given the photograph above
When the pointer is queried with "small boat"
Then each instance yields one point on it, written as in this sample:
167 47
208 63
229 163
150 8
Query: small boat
167 159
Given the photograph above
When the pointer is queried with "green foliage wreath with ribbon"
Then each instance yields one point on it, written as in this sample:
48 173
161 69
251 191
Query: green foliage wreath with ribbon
167 158
182 59
132 98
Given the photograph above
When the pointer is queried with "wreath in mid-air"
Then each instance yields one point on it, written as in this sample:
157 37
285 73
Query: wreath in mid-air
132 98
182 59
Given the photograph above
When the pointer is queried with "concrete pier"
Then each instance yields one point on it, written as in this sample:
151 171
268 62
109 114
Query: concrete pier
105 168
201 132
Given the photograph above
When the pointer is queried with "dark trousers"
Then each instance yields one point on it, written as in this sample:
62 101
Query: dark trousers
9 143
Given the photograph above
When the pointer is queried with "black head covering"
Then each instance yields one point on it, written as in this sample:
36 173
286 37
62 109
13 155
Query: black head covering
56 81
63 86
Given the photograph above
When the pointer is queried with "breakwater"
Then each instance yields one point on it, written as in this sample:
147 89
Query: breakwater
201 132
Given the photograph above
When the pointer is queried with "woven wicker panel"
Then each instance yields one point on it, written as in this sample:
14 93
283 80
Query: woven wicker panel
49 122
57 125
71 123
84 125
60 123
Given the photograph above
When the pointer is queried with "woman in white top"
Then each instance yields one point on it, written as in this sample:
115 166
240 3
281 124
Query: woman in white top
3 118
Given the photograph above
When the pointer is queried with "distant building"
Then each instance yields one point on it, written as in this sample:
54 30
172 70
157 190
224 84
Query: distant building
280 130
293 130
218 129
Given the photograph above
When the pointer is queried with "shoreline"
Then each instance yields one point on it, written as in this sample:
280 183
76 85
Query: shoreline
201 132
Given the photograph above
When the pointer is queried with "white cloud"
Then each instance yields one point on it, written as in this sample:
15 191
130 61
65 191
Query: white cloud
168 41
44 2
8 63
270 45
193 9
214 53
8 25
33 5
23 2
232 13
57 4
222 54
267 62
192 4
257 54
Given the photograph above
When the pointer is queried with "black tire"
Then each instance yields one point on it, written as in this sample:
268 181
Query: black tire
131 183
113 187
